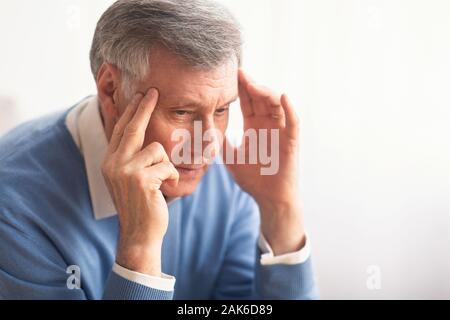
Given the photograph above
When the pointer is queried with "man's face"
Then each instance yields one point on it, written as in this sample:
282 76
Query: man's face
186 96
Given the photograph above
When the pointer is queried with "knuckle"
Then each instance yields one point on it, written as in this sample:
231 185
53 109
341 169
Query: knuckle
106 168
136 178
124 173
157 147
117 131
131 130
171 168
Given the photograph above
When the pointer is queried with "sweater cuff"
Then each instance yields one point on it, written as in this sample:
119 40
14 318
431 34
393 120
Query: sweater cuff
120 288
164 283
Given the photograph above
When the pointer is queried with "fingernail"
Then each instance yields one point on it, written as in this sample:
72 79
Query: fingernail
152 92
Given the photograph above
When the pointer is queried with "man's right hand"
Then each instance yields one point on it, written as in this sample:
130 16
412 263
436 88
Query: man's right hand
134 176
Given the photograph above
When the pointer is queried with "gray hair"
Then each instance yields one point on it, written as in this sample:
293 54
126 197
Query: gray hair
202 32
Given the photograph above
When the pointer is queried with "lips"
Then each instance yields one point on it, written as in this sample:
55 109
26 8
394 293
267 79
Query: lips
193 167
190 171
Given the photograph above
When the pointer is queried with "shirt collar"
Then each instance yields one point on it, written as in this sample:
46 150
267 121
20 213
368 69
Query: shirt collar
86 127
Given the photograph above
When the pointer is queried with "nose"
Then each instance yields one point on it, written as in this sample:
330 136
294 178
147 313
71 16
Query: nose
212 141
207 148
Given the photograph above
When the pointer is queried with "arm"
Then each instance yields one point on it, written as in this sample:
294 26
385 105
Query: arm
134 176
245 274
275 194
32 269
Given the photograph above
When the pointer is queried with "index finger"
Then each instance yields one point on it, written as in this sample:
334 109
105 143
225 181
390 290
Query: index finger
134 134
245 100
292 120
122 123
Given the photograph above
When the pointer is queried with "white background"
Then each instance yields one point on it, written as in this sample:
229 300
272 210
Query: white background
371 81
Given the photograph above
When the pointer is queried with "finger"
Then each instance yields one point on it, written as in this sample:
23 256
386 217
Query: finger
265 94
245 100
292 120
277 113
152 154
121 124
260 97
134 134
260 105
266 101
163 171
244 78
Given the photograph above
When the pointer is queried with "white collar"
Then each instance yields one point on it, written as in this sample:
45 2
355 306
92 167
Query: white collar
85 125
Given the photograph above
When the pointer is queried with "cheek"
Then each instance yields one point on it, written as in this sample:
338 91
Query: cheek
161 132
222 125
222 122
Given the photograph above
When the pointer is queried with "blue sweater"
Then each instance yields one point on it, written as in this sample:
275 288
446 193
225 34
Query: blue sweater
47 225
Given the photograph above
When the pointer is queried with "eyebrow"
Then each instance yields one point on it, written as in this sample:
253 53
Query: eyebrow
193 103
230 102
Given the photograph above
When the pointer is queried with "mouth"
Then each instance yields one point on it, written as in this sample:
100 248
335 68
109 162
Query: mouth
190 172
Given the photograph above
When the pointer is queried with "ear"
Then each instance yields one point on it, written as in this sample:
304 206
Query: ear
108 81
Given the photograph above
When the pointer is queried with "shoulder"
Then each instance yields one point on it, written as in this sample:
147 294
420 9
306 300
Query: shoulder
38 162
33 139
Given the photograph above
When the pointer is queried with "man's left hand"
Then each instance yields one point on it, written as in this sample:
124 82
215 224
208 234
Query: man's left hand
277 195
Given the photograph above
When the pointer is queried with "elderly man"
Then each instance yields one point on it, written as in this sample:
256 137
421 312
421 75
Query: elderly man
93 205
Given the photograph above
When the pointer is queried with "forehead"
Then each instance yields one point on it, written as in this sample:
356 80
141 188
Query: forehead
179 83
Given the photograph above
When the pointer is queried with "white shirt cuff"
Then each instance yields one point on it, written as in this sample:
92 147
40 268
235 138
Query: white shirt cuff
268 258
164 283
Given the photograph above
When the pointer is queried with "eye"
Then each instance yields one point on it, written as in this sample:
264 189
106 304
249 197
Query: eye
182 112
222 111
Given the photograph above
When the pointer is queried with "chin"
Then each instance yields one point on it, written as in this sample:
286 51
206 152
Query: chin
186 185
